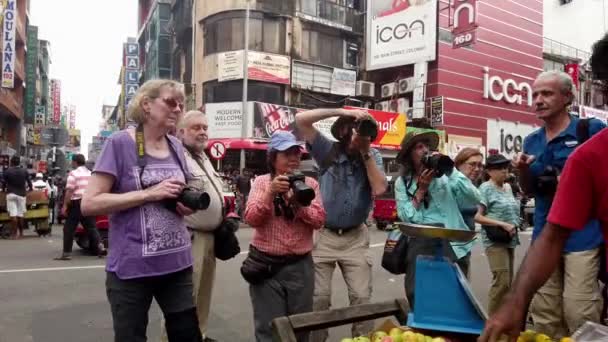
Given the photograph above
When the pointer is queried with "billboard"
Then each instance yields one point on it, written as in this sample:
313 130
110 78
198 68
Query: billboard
9 54
261 67
130 76
31 67
269 118
399 33
74 139
391 128
56 95
72 113
507 137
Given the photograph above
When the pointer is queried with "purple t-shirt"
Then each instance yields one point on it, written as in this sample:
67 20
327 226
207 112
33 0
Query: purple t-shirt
148 240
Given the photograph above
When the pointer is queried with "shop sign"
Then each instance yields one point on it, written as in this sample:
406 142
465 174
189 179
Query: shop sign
400 34
457 143
263 67
9 54
31 66
508 90
269 118
507 137
436 111
391 128
465 23
343 82
56 93
225 119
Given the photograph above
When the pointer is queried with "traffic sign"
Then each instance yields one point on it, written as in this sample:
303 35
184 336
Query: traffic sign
217 150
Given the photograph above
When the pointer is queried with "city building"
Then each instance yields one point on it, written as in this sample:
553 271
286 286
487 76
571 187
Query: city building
569 50
154 39
294 49
13 40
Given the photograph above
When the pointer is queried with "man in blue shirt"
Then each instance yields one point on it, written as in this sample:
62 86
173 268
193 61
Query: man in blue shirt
350 175
571 296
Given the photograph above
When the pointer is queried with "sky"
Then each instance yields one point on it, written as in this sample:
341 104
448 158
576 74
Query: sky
86 52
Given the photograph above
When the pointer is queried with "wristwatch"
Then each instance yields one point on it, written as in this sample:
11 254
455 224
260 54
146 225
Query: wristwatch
366 156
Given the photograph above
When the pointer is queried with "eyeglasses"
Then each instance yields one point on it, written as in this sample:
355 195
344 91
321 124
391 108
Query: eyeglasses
172 103
475 165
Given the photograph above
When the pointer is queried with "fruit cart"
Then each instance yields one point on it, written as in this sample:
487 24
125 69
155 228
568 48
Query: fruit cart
37 212
445 305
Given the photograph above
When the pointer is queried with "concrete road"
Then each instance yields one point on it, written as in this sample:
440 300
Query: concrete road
58 301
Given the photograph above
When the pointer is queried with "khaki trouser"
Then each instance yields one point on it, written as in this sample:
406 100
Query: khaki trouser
350 251
500 259
570 297
203 276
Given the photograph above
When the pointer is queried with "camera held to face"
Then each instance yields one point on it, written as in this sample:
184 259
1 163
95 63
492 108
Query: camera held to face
191 198
367 128
439 163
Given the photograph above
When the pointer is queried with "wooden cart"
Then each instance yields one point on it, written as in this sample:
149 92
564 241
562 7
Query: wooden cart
37 212
285 328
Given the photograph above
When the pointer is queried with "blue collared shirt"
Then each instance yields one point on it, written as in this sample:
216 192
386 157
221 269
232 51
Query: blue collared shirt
345 188
554 153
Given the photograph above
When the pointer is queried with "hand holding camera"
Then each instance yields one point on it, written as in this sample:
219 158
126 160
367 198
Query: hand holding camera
522 161
439 163
167 189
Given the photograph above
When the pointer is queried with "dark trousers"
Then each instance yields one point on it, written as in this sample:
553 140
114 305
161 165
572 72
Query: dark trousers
71 222
288 292
130 301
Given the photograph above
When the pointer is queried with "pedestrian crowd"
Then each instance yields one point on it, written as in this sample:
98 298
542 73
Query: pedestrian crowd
170 219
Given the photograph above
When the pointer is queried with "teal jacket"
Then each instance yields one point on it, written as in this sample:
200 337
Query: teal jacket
445 193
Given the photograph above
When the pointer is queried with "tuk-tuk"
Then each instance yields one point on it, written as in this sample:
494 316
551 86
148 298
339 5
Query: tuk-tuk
385 206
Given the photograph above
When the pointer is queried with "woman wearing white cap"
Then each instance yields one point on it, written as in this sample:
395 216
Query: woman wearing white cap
279 267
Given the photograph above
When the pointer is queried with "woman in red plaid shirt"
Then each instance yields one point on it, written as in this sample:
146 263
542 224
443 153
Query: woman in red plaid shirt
279 266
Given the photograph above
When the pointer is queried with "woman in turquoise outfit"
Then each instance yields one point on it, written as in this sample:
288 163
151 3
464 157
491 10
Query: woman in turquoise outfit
424 198
498 208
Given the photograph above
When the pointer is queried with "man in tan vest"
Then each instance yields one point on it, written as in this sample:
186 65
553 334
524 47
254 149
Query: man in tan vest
192 130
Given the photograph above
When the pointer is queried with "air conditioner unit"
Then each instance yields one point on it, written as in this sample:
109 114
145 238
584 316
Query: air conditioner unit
382 106
406 85
364 88
393 105
389 89
403 105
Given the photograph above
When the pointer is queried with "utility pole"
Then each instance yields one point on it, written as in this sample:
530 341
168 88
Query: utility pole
245 115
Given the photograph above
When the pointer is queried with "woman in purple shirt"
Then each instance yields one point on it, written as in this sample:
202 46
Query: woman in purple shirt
139 173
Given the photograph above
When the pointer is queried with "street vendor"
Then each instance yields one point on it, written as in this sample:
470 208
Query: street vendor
424 196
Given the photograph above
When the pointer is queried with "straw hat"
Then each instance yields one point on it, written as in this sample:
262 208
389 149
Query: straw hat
412 138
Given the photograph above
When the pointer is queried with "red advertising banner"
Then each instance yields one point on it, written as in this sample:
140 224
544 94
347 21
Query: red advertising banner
56 94
391 128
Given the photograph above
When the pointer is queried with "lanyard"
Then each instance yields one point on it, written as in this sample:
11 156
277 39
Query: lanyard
141 153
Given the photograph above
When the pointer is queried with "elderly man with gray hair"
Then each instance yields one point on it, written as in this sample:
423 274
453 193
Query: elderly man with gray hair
192 131
571 296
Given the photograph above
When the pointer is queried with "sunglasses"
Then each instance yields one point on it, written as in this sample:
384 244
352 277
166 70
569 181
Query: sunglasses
172 103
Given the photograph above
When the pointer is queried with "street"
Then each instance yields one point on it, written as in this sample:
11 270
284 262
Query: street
56 301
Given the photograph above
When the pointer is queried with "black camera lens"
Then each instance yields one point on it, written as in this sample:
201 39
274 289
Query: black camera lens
195 200
439 163
303 193
367 128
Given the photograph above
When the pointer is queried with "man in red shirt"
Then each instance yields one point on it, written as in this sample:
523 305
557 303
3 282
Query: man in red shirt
582 195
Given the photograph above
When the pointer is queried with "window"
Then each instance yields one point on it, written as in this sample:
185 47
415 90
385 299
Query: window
225 32
327 49
549 65
232 91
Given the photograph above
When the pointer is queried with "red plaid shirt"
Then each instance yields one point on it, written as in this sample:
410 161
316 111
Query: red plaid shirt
276 235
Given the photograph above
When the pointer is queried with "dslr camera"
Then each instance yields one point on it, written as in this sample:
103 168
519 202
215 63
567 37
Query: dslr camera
367 127
439 163
191 198
546 183
303 193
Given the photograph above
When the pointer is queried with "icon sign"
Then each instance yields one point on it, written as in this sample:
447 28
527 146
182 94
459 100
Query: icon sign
217 150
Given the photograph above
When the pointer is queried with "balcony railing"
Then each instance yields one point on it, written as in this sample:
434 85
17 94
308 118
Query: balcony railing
331 12
558 49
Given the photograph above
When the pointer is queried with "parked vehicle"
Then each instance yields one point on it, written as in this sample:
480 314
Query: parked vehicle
82 238
385 206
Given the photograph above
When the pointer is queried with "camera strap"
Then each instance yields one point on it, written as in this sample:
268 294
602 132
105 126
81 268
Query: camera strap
141 153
